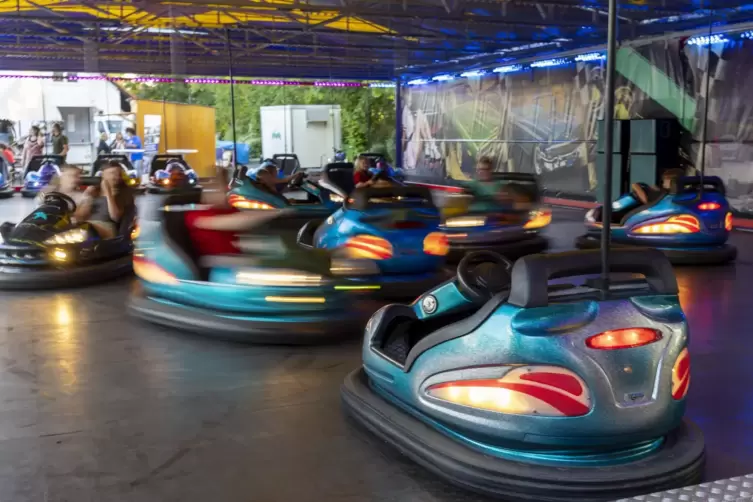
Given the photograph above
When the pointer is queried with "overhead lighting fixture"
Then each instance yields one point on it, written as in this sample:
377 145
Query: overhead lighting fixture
507 69
549 62
707 40
746 34
591 56
473 73
418 81
385 85
443 78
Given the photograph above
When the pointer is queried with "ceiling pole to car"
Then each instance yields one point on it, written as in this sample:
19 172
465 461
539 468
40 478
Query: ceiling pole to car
608 146
232 95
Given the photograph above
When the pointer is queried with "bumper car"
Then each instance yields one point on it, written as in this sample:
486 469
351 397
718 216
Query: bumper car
317 199
277 293
171 172
392 232
130 176
39 173
690 224
6 190
48 250
474 224
505 383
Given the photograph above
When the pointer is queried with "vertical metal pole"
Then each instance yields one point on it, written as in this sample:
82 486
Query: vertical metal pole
399 125
608 145
704 123
232 97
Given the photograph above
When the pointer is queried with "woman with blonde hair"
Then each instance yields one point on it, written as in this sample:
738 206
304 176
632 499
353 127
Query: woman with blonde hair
361 175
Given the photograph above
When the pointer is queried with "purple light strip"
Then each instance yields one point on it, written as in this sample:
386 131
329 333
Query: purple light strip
168 80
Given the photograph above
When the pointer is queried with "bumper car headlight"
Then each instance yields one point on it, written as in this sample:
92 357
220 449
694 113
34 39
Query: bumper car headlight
74 236
240 202
465 222
547 391
337 199
345 267
538 219
280 277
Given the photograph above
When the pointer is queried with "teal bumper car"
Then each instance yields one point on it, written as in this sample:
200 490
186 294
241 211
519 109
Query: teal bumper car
532 382
276 293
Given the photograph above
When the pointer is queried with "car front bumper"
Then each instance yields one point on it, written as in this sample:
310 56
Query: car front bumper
16 277
700 255
678 462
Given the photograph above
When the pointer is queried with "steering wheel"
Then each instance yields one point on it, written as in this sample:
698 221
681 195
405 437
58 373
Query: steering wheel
297 180
61 197
483 274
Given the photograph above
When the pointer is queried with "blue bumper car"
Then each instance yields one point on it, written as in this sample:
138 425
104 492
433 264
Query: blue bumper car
481 224
393 232
168 173
39 173
276 293
48 250
6 190
503 382
130 176
690 224
316 199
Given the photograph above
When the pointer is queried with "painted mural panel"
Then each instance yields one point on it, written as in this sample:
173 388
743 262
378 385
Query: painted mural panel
545 121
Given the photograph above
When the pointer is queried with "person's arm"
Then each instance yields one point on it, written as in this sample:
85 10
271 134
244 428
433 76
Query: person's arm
40 140
114 210
236 222
65 146
640 193
84 207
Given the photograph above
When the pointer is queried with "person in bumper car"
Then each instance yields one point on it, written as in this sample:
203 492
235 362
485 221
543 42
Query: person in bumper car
361 175
104 206
67 183
215 230
650 194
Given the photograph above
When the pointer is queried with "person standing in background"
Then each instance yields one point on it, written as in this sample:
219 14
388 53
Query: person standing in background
119 143
59 142
103 148
33 145
133 142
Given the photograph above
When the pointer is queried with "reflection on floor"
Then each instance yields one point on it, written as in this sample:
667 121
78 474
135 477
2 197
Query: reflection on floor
97 407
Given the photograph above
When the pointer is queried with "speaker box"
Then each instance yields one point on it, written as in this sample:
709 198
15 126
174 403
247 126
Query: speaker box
644 168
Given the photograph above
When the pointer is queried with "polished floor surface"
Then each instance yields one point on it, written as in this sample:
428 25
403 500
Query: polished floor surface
99 407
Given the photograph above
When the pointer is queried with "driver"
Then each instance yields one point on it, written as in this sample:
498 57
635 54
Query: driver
650 194
485 186
67 183
104 206
214 231
267 176
361 175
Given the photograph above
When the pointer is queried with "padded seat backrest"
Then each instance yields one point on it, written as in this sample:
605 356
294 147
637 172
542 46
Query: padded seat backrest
340 174
178 239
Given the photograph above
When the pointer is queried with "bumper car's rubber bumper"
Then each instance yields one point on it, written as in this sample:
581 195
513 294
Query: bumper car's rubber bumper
6 192
705 256
29 194
276 330
679 462
15 278
509 249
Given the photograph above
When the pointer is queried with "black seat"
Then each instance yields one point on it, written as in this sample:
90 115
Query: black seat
178 239
339 174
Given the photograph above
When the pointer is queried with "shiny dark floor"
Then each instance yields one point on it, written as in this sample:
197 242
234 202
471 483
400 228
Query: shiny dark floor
98 407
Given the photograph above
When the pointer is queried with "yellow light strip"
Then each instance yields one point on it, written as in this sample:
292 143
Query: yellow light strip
356 288
294 299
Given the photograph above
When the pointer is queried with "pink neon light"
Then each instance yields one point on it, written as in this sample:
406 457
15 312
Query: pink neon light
72 78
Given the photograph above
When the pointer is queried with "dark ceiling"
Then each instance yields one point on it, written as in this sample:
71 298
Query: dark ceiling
338 39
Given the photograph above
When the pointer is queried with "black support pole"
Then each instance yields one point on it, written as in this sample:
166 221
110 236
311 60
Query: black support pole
232 98
608 143
399 125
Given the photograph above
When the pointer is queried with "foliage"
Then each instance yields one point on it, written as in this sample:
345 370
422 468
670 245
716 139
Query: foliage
368 115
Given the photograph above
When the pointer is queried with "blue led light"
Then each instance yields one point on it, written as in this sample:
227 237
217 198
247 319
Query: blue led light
707 40
384 85
591 56
746 34
443 78
473 73
549 62
508 69
418 81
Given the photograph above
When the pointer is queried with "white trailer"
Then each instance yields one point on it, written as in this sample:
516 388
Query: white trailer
312 132
85 109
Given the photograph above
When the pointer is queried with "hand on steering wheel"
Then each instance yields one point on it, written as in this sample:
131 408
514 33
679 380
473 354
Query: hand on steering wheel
483 274
57 196
297 179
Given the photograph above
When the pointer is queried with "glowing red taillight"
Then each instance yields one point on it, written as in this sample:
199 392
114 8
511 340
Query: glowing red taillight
681 375
728 222
436 244
369 247
709 206
623 338
149 271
